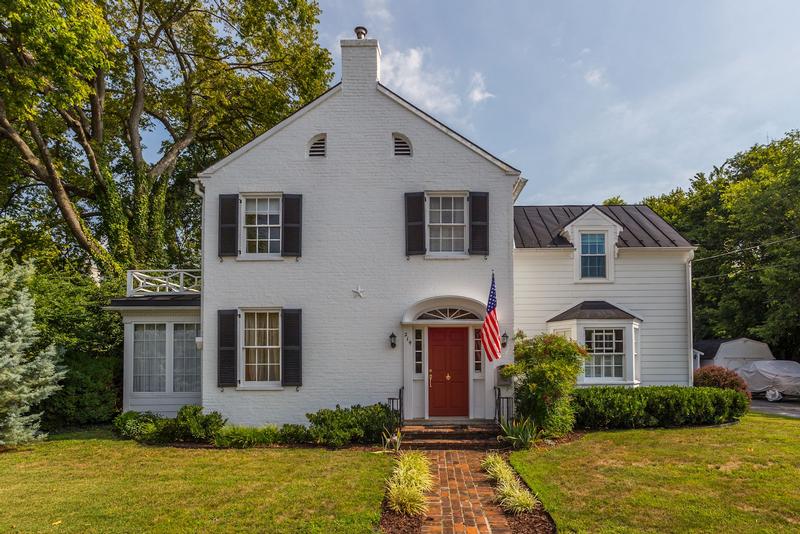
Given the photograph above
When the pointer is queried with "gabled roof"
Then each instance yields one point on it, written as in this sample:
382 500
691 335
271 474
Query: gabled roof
593 309
447 130
272 131
710 347
542 226
392 95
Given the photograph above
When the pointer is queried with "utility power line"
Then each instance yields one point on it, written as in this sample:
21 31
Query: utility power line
738 272
745 249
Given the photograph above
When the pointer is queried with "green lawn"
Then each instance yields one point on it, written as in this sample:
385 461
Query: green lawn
90 482
739 478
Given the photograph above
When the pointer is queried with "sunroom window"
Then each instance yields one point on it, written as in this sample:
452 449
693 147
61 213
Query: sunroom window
606 350
152 353
593 255
446 224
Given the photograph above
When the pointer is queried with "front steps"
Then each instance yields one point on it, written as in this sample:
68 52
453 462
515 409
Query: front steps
458 434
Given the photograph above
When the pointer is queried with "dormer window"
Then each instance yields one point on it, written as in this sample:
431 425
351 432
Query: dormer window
317 147
402 146
593 255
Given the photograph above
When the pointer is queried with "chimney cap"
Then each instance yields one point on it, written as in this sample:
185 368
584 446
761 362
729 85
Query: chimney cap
361 32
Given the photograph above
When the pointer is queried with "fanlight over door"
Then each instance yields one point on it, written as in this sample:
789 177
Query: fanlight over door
448 314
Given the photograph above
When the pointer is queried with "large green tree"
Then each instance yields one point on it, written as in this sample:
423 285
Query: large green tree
85 85
744 217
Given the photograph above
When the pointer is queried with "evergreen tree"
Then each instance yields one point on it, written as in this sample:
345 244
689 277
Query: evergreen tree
28 373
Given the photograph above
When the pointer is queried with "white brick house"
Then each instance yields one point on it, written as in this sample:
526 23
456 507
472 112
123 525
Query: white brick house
346 257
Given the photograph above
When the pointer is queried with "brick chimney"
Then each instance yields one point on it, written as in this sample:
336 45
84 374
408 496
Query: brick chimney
361 63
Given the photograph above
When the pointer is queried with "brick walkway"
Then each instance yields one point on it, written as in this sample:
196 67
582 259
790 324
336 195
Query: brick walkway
463 502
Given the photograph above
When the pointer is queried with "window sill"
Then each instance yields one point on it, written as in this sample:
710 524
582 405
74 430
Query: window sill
619 382
594 280
446 256
260 387
258 257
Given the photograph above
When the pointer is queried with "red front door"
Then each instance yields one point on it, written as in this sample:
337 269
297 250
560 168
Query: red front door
448 374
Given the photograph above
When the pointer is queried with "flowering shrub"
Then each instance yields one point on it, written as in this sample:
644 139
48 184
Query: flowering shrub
545 369
714 376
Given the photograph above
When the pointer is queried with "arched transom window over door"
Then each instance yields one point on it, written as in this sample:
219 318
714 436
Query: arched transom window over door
448 314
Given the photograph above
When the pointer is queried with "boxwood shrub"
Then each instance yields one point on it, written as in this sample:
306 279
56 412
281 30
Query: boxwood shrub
357 424
191 425
607 407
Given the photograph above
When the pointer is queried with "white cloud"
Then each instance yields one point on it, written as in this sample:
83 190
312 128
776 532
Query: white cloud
477 91
377 12
586 51
431 89
596 77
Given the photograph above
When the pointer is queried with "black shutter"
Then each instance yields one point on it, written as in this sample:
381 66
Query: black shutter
227 333
291 229
415 224
292 348
479 223
228 225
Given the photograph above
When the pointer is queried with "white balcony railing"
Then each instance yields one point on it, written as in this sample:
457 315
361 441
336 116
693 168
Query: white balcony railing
160 281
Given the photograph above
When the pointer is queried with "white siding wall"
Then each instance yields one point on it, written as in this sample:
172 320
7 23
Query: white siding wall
652 284
353 235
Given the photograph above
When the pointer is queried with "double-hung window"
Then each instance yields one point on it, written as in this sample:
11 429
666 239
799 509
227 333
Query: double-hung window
163 367
447 228
262 347
262 225
593 255
606 350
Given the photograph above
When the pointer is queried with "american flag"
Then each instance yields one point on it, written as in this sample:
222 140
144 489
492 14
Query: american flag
490 331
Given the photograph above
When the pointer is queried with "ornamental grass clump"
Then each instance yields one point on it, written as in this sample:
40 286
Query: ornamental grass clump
511 495
410 480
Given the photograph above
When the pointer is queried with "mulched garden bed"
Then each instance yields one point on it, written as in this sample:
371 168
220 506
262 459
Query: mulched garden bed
539 521
394 523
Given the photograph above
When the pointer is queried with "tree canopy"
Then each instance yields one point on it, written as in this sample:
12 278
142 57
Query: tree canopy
745 219
107 109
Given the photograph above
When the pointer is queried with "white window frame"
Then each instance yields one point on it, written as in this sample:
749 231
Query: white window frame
576 330
243 254
252 384
446 194
169 378
477 353
609 254
624 353
419 352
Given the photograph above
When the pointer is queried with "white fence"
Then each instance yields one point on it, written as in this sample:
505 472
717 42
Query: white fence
160 281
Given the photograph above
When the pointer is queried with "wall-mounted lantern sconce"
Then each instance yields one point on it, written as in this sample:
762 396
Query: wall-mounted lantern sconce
504 339
393 340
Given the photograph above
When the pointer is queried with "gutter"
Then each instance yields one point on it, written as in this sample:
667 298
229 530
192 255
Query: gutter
689 316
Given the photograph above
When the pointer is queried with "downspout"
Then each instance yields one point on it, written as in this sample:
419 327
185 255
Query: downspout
689 316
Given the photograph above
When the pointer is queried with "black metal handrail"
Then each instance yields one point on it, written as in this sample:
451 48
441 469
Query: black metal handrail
396 406
503 407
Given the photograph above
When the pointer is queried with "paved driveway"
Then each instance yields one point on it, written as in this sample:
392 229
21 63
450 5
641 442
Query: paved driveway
786 408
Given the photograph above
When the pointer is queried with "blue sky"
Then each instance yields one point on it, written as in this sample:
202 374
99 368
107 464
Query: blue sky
591 99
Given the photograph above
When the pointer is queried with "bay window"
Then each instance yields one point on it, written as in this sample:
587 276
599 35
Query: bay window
606 348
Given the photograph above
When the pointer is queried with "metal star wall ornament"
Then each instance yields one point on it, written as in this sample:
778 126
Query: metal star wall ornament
358 292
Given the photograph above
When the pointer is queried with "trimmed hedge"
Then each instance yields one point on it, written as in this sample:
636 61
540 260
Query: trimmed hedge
357 424
607 407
